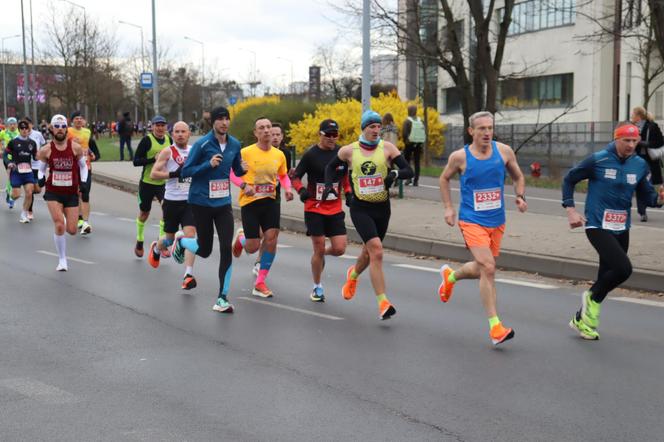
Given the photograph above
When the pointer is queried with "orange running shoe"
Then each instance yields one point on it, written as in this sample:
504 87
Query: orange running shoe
153 257
262 291
188 282
445 288
386 310
348 290
500 334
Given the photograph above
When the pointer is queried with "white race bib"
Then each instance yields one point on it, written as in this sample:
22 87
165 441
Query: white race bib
62 178
220 188
24 168
370 184
615 220
487 199
320 187
262 190
183 184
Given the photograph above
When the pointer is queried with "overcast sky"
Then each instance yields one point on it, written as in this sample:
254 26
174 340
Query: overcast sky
291 29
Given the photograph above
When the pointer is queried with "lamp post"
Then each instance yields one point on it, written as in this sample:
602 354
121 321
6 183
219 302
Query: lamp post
155 75
202 71
25 67
366 56
145 106
34 75
290 86
4 78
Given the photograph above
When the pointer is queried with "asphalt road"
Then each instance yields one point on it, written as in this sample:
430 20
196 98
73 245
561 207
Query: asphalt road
114 350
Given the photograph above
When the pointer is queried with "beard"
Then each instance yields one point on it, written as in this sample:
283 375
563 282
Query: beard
60 137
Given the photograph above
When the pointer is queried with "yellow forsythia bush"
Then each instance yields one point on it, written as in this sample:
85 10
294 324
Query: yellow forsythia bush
347 114
252 101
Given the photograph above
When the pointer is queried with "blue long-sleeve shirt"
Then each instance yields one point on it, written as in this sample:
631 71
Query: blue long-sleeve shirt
207 180
612 181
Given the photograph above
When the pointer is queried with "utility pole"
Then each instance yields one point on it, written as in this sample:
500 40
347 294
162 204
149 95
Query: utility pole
366 56
155 67
25 67
34 75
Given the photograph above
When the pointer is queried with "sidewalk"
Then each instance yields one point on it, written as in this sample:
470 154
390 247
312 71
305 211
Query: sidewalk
533 242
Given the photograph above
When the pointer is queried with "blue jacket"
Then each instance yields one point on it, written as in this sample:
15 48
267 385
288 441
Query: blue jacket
201 172
612 182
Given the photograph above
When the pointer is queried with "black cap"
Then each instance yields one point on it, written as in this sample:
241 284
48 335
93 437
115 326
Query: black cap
75 114
219 112
158 119
328 126
23 124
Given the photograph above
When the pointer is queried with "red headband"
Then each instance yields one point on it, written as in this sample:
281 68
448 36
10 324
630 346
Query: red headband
626 131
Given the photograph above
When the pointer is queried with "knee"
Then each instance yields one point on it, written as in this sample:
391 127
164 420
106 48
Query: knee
338 250
488 268
625 270
204 251
72 230
59 228
375 253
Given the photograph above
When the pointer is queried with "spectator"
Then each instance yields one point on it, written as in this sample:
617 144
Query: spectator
125 131
651 138
205 125
414 136
389 131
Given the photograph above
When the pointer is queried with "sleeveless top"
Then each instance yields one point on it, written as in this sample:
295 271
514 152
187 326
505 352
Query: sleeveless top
368 174
155 148
63 174
177 189
482 189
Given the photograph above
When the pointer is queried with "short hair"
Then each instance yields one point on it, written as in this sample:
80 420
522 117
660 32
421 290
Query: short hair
477 116
262 117
412 110
388 119
278 125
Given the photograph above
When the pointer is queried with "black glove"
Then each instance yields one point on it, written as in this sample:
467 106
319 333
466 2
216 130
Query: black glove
83 187
176 173
42 182
304 194
349 198
329 189
390 178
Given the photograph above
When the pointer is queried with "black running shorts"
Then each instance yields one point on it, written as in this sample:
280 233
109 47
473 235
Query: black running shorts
262 214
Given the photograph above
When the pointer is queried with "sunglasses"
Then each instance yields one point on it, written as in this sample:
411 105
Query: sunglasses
23 127
59 126
330 135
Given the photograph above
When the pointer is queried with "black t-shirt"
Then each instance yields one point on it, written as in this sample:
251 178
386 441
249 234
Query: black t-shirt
313 164
22 151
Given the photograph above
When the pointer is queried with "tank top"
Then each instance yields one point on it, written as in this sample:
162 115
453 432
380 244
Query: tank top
482 189
155 147
177 189
368 174
63 177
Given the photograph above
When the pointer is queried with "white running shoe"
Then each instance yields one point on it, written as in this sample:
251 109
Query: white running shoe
62 266
86 228
24 218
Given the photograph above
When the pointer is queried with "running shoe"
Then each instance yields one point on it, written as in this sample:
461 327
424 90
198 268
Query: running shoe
584 330
30 216
10 202
222 305
86 228
24 218
188 282
317 295
386 310
348 290
446 287
262 291
165 253
153 256
177 251
237 245
138 249
590 310
499 333
256 268
62 266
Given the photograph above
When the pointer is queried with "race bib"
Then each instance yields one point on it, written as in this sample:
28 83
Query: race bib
370 184
320 187
487 199
62 178
183 184
261 190
615 220
220 188
24 168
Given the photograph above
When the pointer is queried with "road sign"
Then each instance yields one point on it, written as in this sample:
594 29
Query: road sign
232 100
146 80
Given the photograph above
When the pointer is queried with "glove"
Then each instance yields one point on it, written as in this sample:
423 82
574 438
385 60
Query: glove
42 182
304 194
83 187
175 174
329 189
391 178
349 198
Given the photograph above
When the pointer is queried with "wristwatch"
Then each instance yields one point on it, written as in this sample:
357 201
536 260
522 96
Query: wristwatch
522 196
243 185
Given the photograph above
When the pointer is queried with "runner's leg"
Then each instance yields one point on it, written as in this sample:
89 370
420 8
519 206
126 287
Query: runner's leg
615 266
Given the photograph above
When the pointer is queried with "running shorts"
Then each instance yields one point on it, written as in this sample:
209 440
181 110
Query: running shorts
66 199
148 192
176 214
325 225
262 214
480 236
370 219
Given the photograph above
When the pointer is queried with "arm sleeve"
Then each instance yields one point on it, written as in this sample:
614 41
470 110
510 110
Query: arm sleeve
405 171
345 182
331 170
583 171
83 167
300 171
141 157
42 170
236 179
237 165
645 192
94 149
285 182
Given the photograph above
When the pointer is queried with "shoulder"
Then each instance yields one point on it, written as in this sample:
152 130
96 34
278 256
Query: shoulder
232 140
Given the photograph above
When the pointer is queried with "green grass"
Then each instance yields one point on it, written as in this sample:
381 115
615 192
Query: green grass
109 148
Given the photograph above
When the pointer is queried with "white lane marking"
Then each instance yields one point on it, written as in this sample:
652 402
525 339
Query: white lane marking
38 391
536 285
156 225
127 220
98 213
283 246
536 198
344 256
82 261
412 267
293 309
640 301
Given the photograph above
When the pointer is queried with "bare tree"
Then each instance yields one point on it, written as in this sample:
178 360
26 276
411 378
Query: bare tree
340 70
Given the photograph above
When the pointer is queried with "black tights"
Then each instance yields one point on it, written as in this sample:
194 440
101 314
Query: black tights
614 264
221 218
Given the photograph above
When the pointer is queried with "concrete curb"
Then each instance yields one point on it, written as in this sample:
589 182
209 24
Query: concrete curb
552 266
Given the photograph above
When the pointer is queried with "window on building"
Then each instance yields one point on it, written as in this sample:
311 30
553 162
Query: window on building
633 13
452 98
659 105
458 28
546 91
535 15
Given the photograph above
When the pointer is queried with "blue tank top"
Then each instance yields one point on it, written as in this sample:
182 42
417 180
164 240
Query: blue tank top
482 189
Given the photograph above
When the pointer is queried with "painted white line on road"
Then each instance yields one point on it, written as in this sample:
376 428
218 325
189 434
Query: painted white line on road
536 285
412 267
82 261
156 225
293 309
38 391
98 213
283 246
127 220
536 198
344 256
640 301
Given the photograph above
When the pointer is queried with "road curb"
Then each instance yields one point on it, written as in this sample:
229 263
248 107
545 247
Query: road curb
545 265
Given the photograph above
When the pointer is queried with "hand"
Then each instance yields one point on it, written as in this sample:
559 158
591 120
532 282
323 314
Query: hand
349 198
176 173
291 173
304 194
289 195
216 160
92 155
42 182
521 204
661 195
11 166
450 216
244 164
329 189
390 179
575 218
249 190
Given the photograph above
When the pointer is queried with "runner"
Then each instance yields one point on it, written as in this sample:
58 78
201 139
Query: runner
177 211
209 165
39 139
481 166
83 136
322 218
62 185
148 188
18 155
370 161
614 175
6 135
258 205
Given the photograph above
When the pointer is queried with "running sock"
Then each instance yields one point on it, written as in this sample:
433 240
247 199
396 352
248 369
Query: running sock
354 274
156 248
189 270
243 240
190 244
60 246
140 230
380 298
452 278
161 228
167 242
318 286
494 321
266 262
80 217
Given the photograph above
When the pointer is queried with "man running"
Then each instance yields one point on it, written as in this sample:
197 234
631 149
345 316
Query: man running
6 135
177 211
67 168
83 136
209 165
258 205
370 161
18 155
481 166
614 175
322 218
148 188
39 139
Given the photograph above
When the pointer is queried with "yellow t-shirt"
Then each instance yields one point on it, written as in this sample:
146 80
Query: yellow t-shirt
82 136
264 168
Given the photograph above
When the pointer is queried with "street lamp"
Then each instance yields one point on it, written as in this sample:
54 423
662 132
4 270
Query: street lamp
155 67
291 87
145 107
202 71
4 80
253 82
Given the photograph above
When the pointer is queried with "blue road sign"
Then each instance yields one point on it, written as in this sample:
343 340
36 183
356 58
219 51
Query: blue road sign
146 80
232 100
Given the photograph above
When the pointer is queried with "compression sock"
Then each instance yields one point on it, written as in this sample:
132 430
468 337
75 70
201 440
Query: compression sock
60 246
380 298
190 244
161 228
354 274
227 282
452 278
266 262
494 321
189 270
140 230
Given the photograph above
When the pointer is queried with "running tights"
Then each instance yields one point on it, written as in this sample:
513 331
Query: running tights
614 265
207 219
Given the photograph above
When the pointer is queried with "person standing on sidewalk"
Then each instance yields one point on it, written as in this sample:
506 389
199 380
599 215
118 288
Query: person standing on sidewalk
614 175
481 166
651 138
125 129
414 136
370 161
